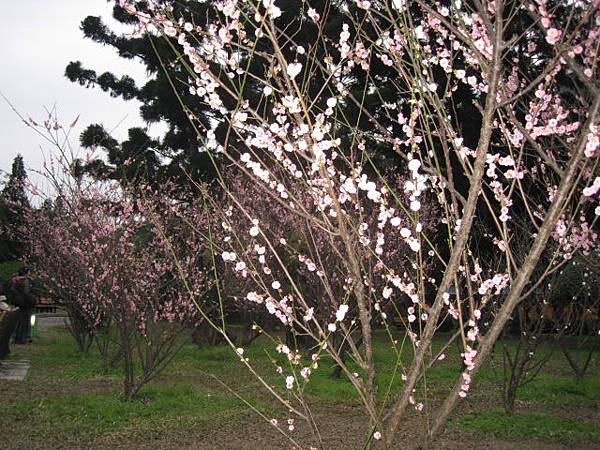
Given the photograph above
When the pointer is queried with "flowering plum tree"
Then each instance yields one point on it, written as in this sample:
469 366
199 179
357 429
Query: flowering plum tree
396 84
304 272
105 254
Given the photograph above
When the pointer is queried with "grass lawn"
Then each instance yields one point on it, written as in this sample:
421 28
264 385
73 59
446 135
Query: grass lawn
69 400
529 425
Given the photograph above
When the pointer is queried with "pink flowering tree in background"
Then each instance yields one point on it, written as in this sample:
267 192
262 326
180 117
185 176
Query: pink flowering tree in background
576 319
106 253
61 272
115 267
277 261
310 226
561 309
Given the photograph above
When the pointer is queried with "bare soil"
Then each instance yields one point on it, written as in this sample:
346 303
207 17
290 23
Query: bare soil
342 427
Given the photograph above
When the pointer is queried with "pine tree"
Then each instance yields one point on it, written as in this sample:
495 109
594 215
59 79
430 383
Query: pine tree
14 206
177 154
180 146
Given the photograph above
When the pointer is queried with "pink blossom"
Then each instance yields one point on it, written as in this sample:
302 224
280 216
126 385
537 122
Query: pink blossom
552 36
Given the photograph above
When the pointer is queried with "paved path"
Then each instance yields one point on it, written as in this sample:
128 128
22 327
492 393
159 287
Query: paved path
13 369
16 369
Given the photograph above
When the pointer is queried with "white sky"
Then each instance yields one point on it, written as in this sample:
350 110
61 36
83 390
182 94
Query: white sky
38 38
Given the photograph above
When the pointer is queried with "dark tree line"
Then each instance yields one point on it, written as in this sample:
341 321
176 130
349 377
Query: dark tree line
14 206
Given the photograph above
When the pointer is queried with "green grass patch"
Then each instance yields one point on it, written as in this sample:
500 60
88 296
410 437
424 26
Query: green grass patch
101 413
186 395
55 355
562 391
528 425
323 386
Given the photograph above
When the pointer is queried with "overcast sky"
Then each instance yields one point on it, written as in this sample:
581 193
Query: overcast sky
38 38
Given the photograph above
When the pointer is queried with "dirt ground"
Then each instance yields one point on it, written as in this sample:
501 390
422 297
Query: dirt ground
341 427
341 430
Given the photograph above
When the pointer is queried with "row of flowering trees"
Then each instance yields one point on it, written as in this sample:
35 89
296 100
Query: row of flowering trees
136 267
99 250
428 161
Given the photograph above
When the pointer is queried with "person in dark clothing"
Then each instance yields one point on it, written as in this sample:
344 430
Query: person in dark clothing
8 322
21 295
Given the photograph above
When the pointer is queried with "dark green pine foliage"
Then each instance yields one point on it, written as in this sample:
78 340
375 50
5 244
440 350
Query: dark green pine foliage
140 157
14 207
177 154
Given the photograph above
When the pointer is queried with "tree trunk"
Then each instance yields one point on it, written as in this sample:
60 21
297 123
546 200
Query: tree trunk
510 396
460 243
524 272
128 364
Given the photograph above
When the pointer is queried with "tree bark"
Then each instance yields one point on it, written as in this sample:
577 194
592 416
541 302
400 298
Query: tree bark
460 243
524 273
